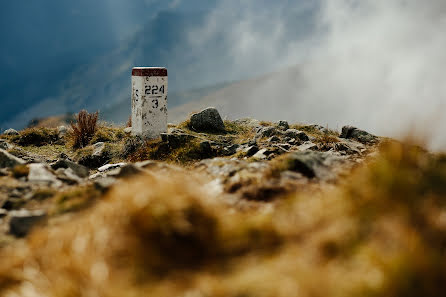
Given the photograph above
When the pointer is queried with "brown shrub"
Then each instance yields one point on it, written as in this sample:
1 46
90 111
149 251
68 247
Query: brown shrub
85 128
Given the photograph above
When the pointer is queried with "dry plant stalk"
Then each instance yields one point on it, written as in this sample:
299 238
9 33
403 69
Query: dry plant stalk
85 128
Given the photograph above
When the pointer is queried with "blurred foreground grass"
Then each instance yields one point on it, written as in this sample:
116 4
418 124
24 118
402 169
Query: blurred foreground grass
380 232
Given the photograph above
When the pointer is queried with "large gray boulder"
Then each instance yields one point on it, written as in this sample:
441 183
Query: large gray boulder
9 161
207 120
23 221
350 132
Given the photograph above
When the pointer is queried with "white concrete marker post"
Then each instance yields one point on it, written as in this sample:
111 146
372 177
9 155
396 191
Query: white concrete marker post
149 101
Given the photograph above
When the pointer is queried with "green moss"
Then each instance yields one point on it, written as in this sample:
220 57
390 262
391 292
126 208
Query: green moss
36 137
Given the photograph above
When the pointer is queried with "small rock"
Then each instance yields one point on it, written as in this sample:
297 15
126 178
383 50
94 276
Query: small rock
4 145
314 164
274 139
109 167
98 158
206 148
3 213
41 173
78 169
284 146
11 132
62 131
283 125
261 155
9 161
4 172
98 148
296 134
350 132
128 130
207 120
126 171
68 176
266 132
105 183
23 221
308 146
230 150
251 150
97 175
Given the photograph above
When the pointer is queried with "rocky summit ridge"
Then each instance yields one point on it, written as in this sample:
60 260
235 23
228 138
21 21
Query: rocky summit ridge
246 161
219 208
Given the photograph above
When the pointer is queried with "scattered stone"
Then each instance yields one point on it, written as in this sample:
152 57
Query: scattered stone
284 146
262 154
207 120
313 164
98 158
109 167
266 132
350 132
9 161
3 213
97 175
78 169
4 145
68 176
230 150
206 148
41 173
251 150
274 139
296 134
126 171
11 132
308 146
23 221
347 148
283 125
62 131
128 130
4 172
104 183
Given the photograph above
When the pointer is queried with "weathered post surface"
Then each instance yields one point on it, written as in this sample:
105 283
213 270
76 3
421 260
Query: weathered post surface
149 101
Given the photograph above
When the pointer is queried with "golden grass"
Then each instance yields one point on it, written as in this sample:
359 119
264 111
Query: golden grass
381 232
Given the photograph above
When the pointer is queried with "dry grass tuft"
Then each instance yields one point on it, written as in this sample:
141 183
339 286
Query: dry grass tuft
84 129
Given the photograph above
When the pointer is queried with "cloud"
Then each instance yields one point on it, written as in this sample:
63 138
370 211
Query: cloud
377 64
